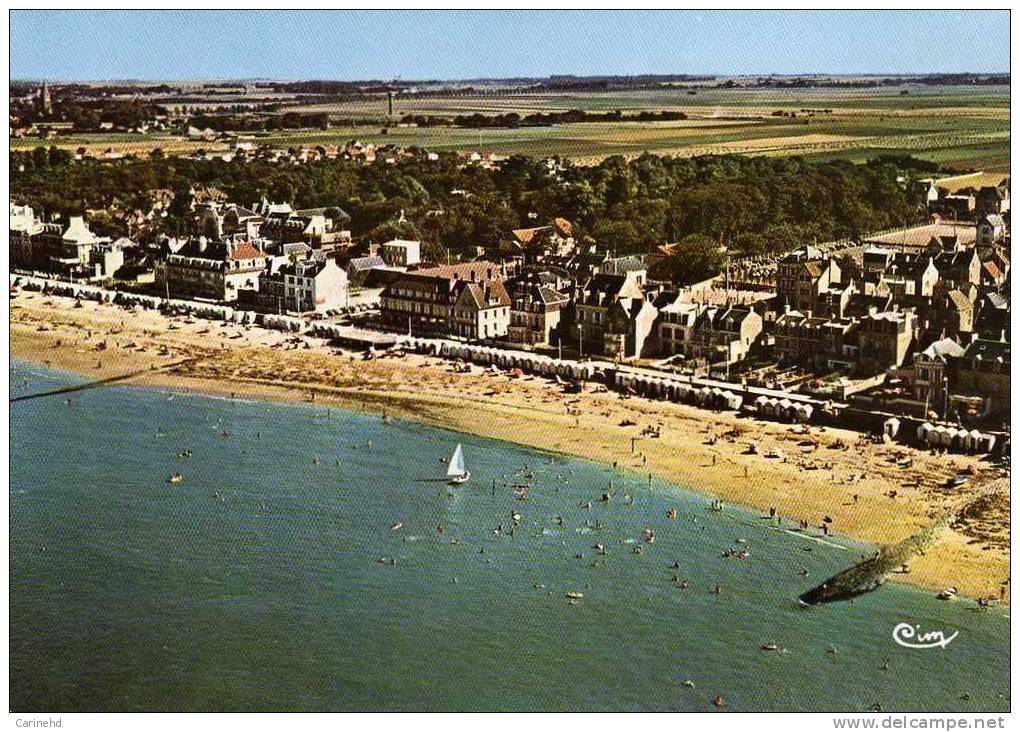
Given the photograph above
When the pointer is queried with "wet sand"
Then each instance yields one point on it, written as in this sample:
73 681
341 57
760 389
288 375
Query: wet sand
704 450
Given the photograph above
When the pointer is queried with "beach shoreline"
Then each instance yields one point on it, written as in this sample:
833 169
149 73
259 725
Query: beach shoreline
843 476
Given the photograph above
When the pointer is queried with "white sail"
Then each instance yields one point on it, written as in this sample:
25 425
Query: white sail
456 466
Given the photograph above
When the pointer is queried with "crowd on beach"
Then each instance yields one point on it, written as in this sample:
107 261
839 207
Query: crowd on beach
862 487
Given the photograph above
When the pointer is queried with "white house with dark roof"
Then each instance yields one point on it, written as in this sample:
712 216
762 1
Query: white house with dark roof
314 286
481 310
401 252
991 229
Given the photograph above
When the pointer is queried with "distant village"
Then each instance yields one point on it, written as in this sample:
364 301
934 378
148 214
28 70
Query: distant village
908 324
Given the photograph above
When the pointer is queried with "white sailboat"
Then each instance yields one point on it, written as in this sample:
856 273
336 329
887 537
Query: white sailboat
456 471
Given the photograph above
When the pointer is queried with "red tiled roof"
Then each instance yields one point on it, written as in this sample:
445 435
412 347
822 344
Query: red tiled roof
479 270
526 236
497 294
992 269
245 250
959 300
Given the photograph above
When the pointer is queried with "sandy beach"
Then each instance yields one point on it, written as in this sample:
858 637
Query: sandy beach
819 472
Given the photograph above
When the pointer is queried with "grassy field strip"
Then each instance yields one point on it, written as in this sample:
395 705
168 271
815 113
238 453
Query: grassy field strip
966 127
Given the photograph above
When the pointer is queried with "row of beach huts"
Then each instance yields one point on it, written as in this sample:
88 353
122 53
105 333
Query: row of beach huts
198 309
955 438
532 363
627 381
945 436
787 408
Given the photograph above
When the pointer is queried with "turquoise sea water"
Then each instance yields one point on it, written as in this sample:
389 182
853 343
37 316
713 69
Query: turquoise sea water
256 583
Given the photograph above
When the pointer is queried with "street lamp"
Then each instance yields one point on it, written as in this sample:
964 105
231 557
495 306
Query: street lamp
580 344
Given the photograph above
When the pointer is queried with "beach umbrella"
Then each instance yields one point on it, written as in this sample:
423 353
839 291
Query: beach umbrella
891 427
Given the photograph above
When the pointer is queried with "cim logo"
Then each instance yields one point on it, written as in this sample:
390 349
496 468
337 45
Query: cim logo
910 636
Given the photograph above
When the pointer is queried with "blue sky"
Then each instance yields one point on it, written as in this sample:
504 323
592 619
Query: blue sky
100 45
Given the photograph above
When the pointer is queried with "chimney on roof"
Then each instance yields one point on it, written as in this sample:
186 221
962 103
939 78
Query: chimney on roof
202 243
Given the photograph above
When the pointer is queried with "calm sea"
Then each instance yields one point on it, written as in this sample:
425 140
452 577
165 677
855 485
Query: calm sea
270 577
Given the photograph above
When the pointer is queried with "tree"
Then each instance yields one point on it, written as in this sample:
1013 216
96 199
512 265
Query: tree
697 258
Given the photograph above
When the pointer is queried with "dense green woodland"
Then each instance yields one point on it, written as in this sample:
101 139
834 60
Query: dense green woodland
751 205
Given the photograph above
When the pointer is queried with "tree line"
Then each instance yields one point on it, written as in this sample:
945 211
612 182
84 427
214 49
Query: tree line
750 206
538 119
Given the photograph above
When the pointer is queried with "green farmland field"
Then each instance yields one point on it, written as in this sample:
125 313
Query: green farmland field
964 127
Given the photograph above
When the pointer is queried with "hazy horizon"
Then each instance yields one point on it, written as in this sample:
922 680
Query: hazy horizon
452 46
293 79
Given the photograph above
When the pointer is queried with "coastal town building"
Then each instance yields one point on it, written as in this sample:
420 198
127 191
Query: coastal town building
358 267
884 341
535 312
24 230
992 320
213 270
628 327
991 230
930 375
991 200
820 343
676 323
959 267
911 275
277 227
724 335
313 285
423 302
401 253
804 279
553 239
67 250
983 372
481 310
592 315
